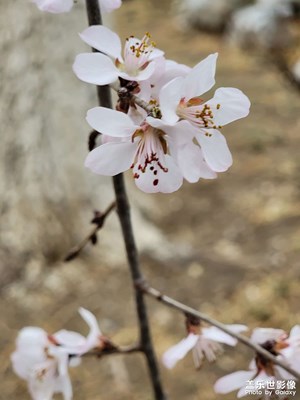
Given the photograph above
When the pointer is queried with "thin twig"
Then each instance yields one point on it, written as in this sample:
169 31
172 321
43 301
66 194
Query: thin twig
143 104
94 18
132 256
114 350
75 251
145 288
104 97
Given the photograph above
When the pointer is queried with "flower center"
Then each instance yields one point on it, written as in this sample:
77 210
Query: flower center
149 156
136 54
197 113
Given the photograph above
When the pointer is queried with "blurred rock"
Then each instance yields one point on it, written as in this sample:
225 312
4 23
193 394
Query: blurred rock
207 14
261 24
47 196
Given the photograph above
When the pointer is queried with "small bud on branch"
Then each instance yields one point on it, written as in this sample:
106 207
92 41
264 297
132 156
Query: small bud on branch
98 220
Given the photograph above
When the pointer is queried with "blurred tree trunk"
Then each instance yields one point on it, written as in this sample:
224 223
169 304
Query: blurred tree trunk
47 196
45 190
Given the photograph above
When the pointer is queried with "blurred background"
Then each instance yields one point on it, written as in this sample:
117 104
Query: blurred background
229 247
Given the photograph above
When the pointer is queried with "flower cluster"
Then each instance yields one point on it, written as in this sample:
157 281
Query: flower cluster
43 359
205 342
176 134
280 344
63 6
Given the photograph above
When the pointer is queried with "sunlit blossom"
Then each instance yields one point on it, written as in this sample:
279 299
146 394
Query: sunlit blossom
260 369
42 364
181 99
205 342
137 63
43 359
142 148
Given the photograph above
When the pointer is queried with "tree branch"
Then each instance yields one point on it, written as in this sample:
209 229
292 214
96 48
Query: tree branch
143 104
104 96
145 335
113 350
145 288
75 251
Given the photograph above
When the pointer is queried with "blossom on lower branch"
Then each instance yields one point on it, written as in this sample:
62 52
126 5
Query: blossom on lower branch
63 6
205 342
43 360
153 154
261 371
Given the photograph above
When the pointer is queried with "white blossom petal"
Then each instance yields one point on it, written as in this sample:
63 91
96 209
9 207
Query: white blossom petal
180 134
95 68
156 122
32 335
54 6
201 78
167 182
228 105
137 115
93 337
179 351
165 71
169 98
192 165
23 360
41 382
215 150
103 39
69 339
142 75
110 122
261 335
175 69
295 332
155 53
63 385
61 357
198 356
234 381
216 334
30 345
111 158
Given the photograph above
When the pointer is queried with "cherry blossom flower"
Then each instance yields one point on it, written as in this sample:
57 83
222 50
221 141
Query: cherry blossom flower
138 62
166 71
240 380
180 100
204 342
260 369
63 6
143 148
42 359
76 344
42 364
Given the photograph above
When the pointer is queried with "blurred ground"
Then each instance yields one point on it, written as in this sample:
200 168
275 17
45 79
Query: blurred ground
240 234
